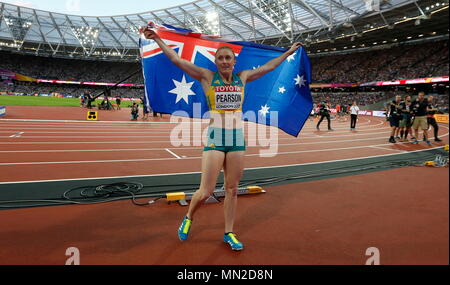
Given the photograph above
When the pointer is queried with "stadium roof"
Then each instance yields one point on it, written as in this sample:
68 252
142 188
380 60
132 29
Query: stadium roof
275 22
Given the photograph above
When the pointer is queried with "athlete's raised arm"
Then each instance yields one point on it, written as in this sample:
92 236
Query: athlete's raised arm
252 75
193 70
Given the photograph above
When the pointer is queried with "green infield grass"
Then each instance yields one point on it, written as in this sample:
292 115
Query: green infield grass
6 100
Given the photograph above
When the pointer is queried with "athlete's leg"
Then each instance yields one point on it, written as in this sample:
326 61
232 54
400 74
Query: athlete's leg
233 169
212 164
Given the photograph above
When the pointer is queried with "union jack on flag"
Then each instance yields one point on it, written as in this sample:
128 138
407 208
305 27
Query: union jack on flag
285 90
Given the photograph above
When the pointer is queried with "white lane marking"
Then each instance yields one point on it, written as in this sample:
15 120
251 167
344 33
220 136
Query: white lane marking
167 129
329 149
160 124
191 137
99 132
104 122
160 142
164 130
389 149
17 135
189 173
67 129
85 122
82 124
187 148
181 148
190 158
87 150
92 161
172 153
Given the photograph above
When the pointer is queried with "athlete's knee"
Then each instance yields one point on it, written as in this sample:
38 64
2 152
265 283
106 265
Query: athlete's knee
205 193
232 190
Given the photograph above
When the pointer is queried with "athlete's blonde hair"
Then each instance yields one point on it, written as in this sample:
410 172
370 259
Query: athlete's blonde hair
225 48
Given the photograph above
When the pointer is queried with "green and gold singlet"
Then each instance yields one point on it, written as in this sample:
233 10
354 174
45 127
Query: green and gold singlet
223 98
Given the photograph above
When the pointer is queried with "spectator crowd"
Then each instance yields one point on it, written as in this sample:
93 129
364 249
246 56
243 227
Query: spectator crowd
346 98
400 62
30 89
70 69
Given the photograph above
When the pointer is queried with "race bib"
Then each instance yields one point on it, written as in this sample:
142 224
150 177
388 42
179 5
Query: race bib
228 97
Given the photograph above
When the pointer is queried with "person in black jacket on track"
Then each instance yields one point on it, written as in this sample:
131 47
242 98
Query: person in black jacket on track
324 112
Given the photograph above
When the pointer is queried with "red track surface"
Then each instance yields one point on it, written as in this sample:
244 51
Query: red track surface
403 212
327 222
70 150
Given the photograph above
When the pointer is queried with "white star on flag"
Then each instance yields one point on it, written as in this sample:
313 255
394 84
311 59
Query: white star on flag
264 110
291 57
182 90
282 90
300 81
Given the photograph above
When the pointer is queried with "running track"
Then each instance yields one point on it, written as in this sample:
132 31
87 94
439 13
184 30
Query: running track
403 212
33 150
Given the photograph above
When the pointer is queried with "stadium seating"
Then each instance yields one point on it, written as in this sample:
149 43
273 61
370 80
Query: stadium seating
401 62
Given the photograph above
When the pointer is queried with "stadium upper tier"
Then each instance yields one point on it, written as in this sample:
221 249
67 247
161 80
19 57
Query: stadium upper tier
275 22
407 61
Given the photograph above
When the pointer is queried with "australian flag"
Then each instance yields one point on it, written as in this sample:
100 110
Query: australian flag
284 92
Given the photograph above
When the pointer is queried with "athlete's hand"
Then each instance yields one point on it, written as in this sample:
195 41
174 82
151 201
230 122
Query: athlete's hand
149 33
295 47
